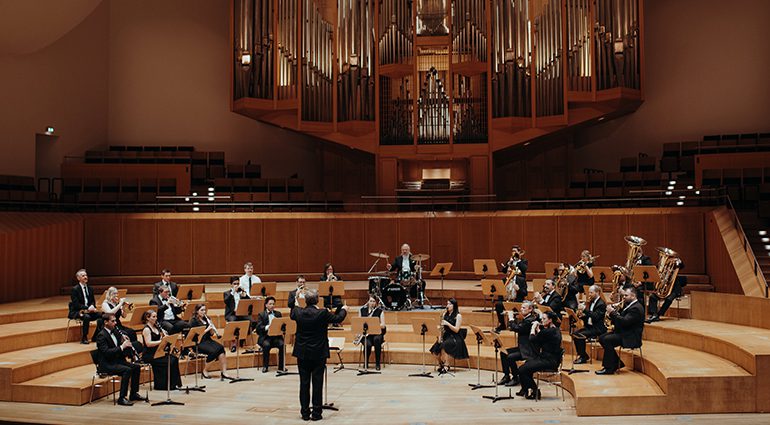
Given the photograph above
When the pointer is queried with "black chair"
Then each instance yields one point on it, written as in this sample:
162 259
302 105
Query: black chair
103 376
552 377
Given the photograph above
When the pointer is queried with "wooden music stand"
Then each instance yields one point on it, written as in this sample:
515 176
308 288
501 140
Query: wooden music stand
537 286
192 339
550 269
485 268
187 313
480 339
646 275
250 307
169 345
283 326
491 288
137 313
427 326
497 343
237 332
441 269
190 292
602 274
263 289
331 290
366 326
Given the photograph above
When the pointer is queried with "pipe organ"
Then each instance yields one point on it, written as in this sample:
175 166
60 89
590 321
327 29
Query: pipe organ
434 72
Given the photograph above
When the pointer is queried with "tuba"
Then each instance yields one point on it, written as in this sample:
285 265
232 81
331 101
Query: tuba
635 252
668 269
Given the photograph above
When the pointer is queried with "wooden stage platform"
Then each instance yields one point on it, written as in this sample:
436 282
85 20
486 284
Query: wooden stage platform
713 363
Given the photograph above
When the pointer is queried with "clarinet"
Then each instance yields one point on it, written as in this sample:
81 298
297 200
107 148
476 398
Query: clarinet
134 354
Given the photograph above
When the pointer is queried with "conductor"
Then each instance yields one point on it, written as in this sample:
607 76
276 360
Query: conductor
311 348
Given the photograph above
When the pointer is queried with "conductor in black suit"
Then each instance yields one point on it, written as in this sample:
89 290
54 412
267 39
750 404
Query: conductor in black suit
266 341
629 323
113 349
311 348
82 305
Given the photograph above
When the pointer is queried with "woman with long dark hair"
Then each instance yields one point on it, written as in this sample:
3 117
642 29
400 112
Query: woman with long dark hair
206 345
452 345
152 335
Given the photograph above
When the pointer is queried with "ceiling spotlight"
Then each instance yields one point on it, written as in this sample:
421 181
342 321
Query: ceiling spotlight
689 187
196 209
762 232
697 192
211 189
196 203
765 239
670 188
668 193
49 130
187 199
195 193
672 182
681 197
767 247
211 198
680 203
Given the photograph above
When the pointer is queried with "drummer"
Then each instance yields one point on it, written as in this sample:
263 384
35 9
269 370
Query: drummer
408 272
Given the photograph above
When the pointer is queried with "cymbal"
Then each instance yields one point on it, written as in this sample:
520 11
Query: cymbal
420 257
379 254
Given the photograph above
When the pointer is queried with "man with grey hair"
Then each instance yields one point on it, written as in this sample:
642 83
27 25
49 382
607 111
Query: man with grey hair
311 348
82 305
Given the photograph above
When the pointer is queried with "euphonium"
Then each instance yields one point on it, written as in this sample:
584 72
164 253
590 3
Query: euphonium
618 271
668 269
635 252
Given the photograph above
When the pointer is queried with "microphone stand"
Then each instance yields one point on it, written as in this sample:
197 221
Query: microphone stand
423 374
365 370
327 405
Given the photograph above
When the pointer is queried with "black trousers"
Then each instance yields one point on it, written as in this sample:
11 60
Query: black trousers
529 368
376 342
174 326
129 373
86 319
652 305
311 372
508 359
269 343
609 341
580 343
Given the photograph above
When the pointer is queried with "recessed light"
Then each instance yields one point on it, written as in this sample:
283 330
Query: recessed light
196 203
670 188
672 182
762 232
668 193
187 199
765 239
195 193
196 209
697 192
680 203
767 247
682 197
211 198
689 187
211 189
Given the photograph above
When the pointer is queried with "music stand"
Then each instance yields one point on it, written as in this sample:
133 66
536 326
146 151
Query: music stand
337 344
282 326
331 289
573 320
137 313
602 274
490 288
263 289
425 327
366 326
187 313
168 346
237 332
191 340
482 267
441 269
250 307
646 274
480 338
190 292
494 339
551 269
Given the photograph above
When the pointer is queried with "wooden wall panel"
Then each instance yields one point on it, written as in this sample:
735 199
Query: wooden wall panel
608 243
244 244
139 247
445 242
540 241
280 246
684 234
313 247
381 235
650 227
574 235
720 268
475 241
209 242
347 250
102 242
506 232
175 246
416 233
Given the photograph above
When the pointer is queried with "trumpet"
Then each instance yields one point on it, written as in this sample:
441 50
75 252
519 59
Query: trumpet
331 277
128 305
176 302
607 317
580 266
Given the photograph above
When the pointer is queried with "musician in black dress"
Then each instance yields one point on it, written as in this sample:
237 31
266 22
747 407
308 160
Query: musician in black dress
373 309
550 297
114 305
629 324
452 344
329 276
508 358
169 309
592 312
266 341
676 292
546 338
82 305
517 286
153 334
113 350
206 345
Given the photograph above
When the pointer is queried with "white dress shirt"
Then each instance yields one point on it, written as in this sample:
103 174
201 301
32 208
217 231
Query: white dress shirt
244 282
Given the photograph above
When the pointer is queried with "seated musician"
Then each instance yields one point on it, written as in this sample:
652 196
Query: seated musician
508 358
676 292
329 276
452 343
628 322
117 306
206 344
545 337
82 305
113 349
299 292
592 312
640 286
552 299
405 268
518 284
266 341
249 278
169 309
152 334
232 297
165 280
373 309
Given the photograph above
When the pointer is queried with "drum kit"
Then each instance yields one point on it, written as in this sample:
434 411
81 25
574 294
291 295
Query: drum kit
393 289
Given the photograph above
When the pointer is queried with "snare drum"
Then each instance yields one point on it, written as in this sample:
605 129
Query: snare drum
394 296
377 283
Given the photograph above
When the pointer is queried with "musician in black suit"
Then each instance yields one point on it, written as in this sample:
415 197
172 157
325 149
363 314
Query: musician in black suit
574 288
113 350
169 310
165 280
82 305
524 350
329 276
311 348
545 337
676 292
265 341
405 267
551 298
519 283
231 298
629 324
297 293
593 312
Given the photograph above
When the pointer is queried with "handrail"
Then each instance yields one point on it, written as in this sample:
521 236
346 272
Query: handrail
747 246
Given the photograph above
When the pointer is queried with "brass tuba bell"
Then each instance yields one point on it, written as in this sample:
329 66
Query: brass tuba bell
668 269
635 252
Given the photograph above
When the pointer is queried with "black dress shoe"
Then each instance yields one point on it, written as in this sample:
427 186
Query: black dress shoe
123 402
137 397
512 383
316 417
655 318
232 349
522 392
305 417
204 375
498 329
377 367
264 369
506 379
581 360
533 394
605 372
84 342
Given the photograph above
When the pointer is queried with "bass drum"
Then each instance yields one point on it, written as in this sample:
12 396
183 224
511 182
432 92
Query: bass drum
394 297
377 284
